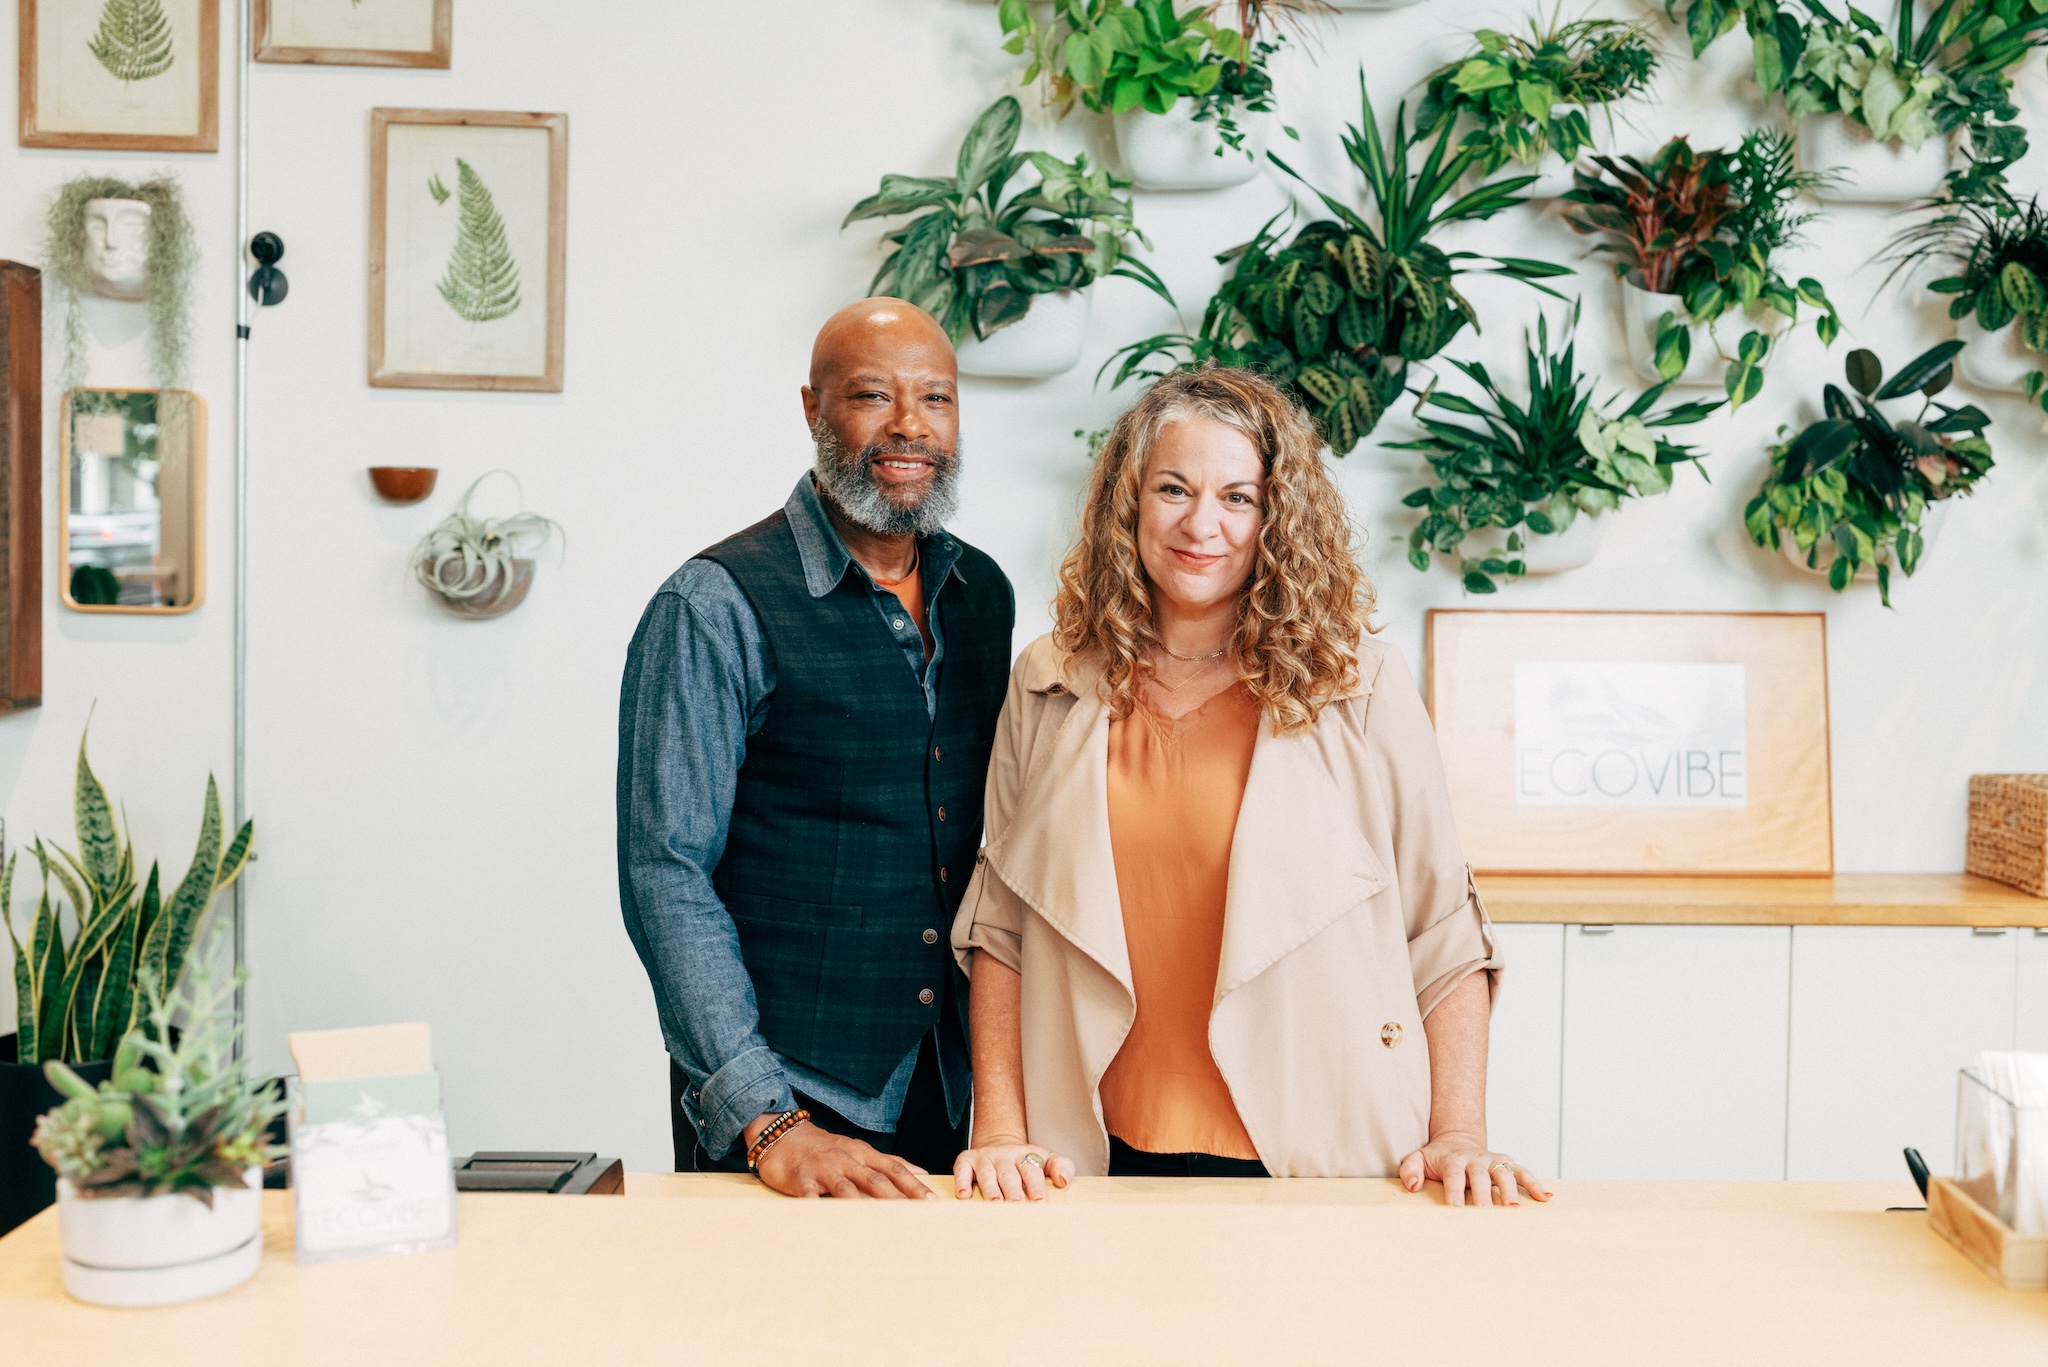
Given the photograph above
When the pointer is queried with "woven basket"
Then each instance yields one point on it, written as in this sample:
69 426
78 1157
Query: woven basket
2009 830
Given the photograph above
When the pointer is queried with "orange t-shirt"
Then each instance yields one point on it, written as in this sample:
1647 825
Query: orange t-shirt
909 591
1175 787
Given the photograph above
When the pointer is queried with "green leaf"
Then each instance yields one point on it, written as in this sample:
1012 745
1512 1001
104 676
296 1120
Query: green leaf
1477 582
2034 330
2022 288
1362 265
481 283
988 143
1321 384
1084 61
1479 74
1919 370
1864 370
899 195
1321 293
1536 97
188 904
99 842
980 246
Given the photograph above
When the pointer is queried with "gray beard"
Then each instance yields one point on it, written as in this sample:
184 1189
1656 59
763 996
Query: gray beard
847 478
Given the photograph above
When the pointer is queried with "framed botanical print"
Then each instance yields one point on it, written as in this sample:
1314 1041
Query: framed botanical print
355 32
1635 742
120 75
468 246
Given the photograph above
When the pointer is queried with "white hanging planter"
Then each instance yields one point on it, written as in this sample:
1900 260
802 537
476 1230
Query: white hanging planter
1930 528
1867 171
1571 549
160 1250
1174 151
1640 312
1998 361
1045 342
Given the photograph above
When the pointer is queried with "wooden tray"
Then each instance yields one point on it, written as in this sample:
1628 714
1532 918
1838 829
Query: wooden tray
2016 1262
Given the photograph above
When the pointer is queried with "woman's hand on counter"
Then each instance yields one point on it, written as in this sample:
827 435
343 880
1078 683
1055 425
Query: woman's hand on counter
1003 1167
1463 1163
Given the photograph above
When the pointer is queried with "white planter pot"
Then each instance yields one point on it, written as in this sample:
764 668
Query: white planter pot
1045 342
1640 312
1867 171
1998 361
1571 549
1172 151
159 1250
1930 528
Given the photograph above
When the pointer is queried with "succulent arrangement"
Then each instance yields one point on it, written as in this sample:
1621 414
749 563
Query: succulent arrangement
975 259
178 1115
1114 56
473 563
1340 313
76 997
1705 226
1851 489
1532 468
1526 96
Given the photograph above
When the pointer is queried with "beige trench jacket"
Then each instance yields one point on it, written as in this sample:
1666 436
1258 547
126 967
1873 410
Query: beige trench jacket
1351 913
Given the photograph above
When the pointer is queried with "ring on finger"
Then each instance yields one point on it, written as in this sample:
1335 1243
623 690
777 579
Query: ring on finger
1035 1160
1501 1164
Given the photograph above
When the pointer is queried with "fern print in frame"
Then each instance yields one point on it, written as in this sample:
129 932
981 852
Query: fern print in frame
134 39
482 283
468 212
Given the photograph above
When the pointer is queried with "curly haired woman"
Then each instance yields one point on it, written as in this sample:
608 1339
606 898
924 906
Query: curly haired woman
1222 925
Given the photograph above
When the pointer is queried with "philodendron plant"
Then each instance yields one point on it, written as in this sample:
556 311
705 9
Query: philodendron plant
1706 227
1851 489
1340 313
179 1114
1525 96
988 243
75 997
1532 468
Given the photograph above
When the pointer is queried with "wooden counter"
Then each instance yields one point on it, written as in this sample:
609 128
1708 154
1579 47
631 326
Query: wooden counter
1847 899
716 1270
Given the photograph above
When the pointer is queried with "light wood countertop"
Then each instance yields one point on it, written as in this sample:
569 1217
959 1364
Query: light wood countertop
687 1269
1847 899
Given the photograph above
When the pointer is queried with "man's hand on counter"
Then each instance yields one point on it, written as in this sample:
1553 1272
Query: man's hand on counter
809 1161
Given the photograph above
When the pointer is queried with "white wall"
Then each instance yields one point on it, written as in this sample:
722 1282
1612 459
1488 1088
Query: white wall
434 797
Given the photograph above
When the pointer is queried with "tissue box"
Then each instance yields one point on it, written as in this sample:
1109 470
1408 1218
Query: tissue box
2009 830
2014 1261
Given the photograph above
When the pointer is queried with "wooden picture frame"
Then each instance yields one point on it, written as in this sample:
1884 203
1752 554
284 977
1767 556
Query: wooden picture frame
467 175
192 495
277 36
21 485
79 102
1635 742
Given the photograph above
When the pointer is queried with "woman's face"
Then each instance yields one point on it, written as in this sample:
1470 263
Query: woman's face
1199 511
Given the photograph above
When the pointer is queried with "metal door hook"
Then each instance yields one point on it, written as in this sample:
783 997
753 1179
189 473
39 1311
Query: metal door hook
267 284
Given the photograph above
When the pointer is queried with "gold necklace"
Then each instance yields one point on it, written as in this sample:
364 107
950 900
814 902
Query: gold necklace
1191 659
1206 661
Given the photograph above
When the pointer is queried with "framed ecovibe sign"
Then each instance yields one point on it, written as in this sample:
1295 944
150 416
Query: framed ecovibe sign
1635 742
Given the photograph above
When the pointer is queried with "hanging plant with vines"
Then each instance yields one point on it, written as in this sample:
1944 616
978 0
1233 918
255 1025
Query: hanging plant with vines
172 257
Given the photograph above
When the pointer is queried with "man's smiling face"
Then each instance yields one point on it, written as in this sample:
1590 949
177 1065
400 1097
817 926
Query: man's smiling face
883 405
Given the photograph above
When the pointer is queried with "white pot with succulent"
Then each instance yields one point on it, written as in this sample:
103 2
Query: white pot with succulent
160 1168
473 566
1046 341
1177 151
1861 169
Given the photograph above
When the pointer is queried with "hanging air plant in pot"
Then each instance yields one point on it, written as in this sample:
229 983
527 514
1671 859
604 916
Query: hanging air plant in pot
1852 495
1004 252
481 567
1694 235
129 241
1522 492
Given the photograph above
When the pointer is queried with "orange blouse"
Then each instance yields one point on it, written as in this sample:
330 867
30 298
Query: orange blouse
1175 787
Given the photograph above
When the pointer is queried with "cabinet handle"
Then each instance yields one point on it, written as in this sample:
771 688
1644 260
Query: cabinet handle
1988 930
1596 930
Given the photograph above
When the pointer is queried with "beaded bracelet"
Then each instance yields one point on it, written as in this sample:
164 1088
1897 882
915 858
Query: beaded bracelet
778 1127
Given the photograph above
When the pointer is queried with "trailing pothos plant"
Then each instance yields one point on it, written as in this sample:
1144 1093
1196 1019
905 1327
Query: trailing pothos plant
1998 269
1705 226
984 247
1342 311
1118 55
76 997
1526 96
1533 468
1906 82
1855 485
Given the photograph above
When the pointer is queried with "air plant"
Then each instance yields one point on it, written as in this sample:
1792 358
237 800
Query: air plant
473 562
1855 484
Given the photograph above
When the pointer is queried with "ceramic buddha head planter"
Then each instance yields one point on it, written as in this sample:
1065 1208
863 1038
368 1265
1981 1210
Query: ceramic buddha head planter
130 241
117 248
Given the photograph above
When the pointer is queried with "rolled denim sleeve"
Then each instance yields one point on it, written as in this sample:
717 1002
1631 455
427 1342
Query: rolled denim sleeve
697 683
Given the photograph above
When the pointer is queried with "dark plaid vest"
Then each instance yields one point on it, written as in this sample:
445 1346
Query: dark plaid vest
841 875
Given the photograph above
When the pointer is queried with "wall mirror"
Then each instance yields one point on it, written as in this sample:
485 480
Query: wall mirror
132 493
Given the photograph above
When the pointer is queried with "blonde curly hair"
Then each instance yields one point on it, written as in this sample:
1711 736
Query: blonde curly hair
1306 603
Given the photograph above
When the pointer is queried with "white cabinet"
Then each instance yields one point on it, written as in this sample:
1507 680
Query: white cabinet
2030 1015
1674 1052
1525 1047
1882 1017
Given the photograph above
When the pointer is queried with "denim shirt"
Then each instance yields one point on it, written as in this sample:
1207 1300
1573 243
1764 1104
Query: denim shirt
699 681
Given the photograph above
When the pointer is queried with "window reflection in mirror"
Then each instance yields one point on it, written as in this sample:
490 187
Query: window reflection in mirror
132 493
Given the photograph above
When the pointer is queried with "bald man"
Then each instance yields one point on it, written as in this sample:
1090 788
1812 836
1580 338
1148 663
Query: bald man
804 730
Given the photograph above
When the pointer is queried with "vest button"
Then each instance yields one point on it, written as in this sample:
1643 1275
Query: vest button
926 997
942 813
935 753
931 937
942 875
897 623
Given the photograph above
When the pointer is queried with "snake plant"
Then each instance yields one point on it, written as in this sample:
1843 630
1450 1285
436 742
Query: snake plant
75 996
